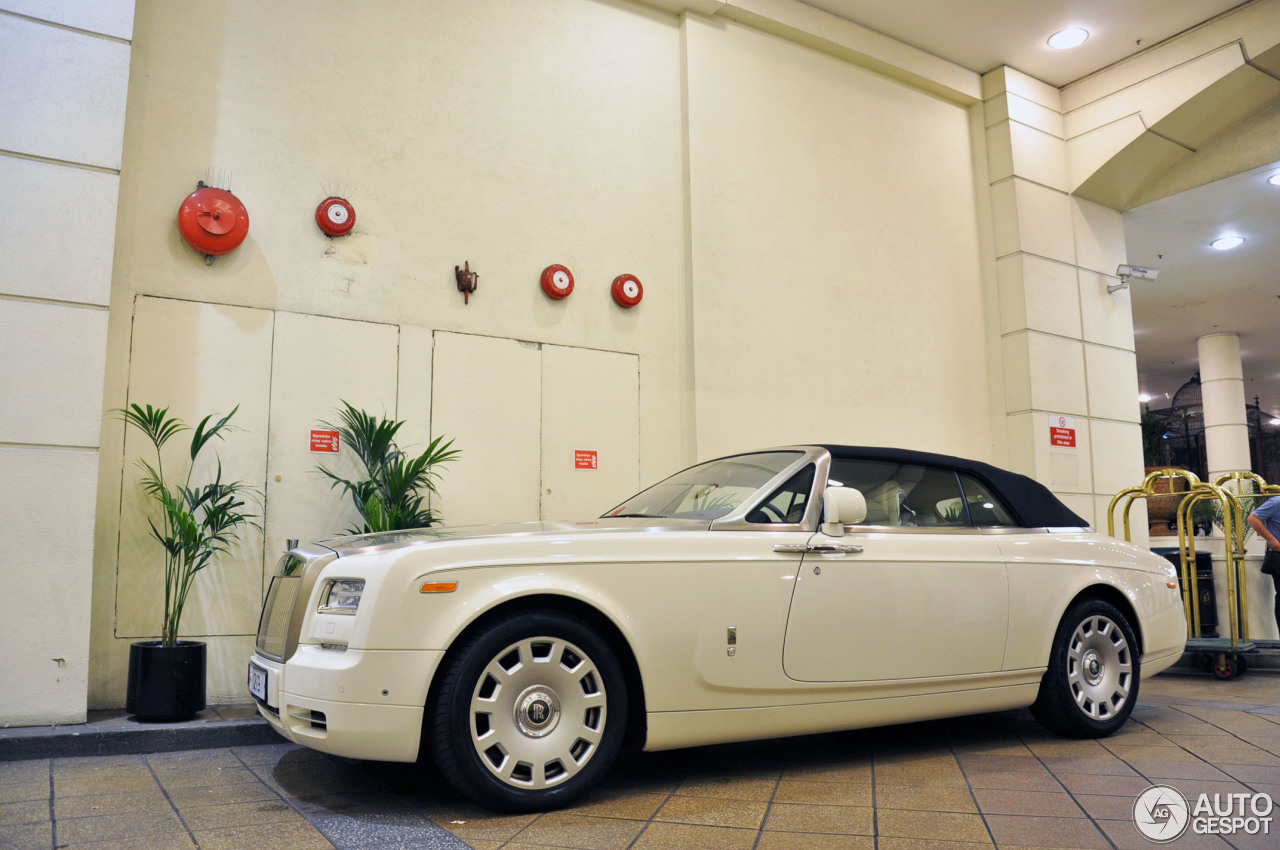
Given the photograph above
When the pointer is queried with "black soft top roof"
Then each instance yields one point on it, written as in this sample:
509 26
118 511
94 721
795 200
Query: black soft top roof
1030 502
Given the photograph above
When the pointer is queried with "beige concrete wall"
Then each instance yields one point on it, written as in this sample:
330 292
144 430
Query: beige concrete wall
837 290
508 134
64 71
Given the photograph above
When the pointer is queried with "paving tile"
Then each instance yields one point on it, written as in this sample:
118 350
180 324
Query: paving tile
1038 803
711 811
1106 807
826 772
213 795
35 770
632 806
845 820
1024 831
130 825
195 776
1013 781
239 814
468 822
167 841
591 833
823 793
1125 836
32 811
1080 783
1191 769
272 753
945 773
809 841
89 780
925 798
358 803
1103 766
683 836
20 792
27 836
92 805
269 836
887 843
728 788
1252 773
944 826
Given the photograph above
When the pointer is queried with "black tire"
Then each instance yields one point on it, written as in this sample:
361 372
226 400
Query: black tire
1094 671
529 714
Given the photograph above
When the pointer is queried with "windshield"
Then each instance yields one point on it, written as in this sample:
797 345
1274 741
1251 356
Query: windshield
709 490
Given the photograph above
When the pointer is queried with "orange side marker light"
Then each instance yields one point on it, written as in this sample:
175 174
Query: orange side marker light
439 587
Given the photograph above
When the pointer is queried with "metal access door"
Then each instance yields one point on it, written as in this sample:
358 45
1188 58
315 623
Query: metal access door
546 431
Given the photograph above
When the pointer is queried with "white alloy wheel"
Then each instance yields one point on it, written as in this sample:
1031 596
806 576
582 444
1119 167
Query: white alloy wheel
1099 667
538 712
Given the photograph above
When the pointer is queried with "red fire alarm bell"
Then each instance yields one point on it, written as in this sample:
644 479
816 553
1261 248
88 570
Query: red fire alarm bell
213 221
336 216
627 290
557 282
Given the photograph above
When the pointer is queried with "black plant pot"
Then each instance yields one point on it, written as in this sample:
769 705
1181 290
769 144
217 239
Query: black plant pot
166 683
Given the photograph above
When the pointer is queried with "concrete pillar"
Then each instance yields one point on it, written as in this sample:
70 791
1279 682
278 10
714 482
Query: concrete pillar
1066 343
1226 434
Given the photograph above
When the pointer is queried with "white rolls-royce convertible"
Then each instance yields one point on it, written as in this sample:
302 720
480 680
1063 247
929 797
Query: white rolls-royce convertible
783 592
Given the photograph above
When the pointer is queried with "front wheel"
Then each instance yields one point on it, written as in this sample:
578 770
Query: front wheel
1092 682
529 713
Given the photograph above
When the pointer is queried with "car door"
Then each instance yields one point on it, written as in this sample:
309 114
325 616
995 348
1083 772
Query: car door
916 592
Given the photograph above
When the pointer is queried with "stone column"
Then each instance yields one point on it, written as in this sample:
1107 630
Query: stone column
1066 344
1226 435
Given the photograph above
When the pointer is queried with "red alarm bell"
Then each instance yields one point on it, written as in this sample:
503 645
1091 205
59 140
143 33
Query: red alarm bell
336 216
557 282
627 290
213 221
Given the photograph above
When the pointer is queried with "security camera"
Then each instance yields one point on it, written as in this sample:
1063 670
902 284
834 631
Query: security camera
1125 272
1140 272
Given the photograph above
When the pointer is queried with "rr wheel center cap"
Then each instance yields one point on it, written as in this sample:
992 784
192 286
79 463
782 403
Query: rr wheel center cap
537 711
1092 667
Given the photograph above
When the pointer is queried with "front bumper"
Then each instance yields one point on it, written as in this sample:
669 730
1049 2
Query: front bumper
364 704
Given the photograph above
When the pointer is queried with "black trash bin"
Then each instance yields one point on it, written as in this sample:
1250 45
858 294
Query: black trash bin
1204 587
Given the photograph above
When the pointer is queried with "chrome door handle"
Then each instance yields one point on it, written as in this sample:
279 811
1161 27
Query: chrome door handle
819 549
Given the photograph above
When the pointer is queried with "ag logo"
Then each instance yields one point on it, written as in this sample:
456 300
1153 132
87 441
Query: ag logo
1161 813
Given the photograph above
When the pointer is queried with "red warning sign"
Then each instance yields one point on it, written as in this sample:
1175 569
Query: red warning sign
1062 431
586 459
325 442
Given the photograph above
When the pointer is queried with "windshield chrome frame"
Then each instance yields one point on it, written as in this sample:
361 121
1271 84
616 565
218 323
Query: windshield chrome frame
736 520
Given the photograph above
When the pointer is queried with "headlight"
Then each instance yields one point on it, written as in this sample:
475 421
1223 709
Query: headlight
342 596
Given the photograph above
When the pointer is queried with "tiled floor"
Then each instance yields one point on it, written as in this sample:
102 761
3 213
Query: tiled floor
965 784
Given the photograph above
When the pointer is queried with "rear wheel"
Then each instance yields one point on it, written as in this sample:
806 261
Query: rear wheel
1092 682
529 713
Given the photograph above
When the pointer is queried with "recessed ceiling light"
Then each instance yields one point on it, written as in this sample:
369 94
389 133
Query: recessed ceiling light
1274 422
1226 243
1068 38
1144 398
1274 179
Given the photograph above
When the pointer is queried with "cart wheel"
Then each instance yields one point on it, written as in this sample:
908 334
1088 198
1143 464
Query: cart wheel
1242 665
1226 667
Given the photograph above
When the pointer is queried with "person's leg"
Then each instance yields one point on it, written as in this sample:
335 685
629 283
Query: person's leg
1276 579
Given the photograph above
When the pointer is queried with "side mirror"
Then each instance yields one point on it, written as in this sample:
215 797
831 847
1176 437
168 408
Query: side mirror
841 506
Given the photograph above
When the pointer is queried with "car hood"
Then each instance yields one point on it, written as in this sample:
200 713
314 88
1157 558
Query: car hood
418 536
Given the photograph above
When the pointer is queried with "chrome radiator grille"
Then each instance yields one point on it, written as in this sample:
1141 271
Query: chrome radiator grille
277 613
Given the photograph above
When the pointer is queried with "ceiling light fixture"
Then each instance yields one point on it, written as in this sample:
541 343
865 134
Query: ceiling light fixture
1274 179
1068 38
1144 398
1274 422
1226 243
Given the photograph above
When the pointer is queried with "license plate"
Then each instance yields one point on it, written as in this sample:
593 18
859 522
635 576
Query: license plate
258 682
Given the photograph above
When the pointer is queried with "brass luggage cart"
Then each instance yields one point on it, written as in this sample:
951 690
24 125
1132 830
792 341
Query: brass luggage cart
1224 655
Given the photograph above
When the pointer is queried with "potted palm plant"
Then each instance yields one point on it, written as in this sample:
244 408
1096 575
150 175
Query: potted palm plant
390 496
193 525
